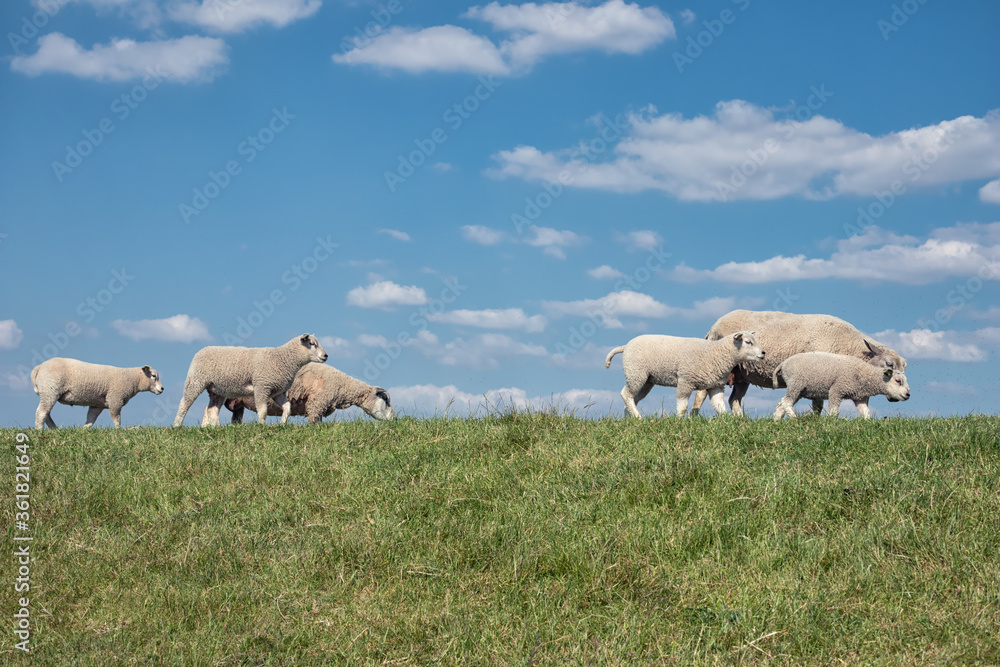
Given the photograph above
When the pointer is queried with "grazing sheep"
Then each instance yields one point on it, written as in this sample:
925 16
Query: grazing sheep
261 372
685 363
317 391
785 334
73 382
821 375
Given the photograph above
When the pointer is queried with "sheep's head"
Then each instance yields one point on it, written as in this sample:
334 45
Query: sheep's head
882 356
378 405
155 385
316 351
747 348
896 386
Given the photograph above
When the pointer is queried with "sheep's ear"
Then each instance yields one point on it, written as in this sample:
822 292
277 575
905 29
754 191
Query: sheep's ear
383 394
738 335
874 351
146 370
305 338
888 374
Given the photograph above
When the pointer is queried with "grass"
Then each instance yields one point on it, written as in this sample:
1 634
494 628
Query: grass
529 539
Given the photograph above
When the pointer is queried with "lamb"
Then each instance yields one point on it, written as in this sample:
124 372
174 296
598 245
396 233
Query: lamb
822 375
785 334
685 363
73 382
261 372
317 391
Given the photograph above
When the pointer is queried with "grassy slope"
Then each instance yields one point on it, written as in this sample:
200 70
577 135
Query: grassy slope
523 539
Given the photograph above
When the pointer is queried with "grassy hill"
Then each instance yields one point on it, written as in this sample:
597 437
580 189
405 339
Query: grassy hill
524 539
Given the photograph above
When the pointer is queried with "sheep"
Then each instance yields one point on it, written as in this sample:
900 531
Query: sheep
261 372
822 375
74 382
685 363
785 334
317 391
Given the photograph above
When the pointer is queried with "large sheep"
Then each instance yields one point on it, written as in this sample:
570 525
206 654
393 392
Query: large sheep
821 375
261 372
73 382
317 391
686 363
785 334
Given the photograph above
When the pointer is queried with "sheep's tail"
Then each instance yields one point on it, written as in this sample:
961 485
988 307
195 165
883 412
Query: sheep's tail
34 376
776 378
611 354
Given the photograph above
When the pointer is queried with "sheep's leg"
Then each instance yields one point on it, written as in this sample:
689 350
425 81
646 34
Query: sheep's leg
238 414
211 417
699 398
862 406
43 415
116 414
92 414
818 406
834 409
683 394
190 394
630 403
735 398
785 407
286 405
314 411
260 398
718 397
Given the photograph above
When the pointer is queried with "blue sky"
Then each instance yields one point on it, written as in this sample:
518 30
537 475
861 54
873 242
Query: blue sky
481 200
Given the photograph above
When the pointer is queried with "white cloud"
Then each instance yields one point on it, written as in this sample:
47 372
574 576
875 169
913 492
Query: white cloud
608 309
477 352
385 295
967 249
396 234
641 239
553 241
510 318
696 159
951 388
339 348
605 272
536 31
10 335
445 48
186 59
433 399
687 16
482 235
942 345
541 30
239 15
177 329
990 193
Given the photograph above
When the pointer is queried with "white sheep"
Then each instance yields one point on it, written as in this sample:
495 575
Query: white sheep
686 363
821 375
317 391
786 334
73 382
261 372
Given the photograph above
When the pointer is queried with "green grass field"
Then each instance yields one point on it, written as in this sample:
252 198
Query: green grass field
520 539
